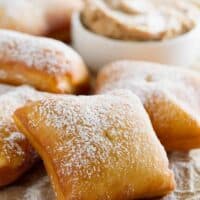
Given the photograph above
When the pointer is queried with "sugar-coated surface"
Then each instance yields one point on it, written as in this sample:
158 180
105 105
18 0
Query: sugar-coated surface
97 140
42 54
153 81
11 138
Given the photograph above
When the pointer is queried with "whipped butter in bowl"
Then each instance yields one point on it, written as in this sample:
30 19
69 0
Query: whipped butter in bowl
164 31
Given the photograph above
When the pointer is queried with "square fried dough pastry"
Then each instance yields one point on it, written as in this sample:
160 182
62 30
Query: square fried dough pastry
46 64
16 153
97 147
171 96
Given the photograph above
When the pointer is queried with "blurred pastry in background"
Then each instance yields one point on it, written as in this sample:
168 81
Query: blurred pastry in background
46 64
39 17
22 15
58 15
97 147
170 95
16 153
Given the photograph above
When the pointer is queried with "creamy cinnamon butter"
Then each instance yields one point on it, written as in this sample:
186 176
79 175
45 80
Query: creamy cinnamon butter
140 19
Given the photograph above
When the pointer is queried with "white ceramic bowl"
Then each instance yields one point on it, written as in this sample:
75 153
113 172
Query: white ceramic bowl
98 50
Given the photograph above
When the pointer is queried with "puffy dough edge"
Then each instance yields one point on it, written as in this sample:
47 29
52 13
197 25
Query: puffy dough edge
49 65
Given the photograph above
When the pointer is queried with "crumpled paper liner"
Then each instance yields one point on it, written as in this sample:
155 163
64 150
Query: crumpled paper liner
186 166
35 185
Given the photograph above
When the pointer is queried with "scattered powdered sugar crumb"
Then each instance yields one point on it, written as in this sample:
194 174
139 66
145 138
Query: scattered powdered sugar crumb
39 53
34 185
36 191
10 136
94 135
187 173
15 136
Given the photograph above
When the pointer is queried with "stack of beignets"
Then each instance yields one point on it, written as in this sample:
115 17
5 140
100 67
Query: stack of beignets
97 147
170 95
46 64
93 147
16 153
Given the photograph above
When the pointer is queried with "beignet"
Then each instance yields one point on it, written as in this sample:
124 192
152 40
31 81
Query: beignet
39 17
46 64
97 147
16 153
170 95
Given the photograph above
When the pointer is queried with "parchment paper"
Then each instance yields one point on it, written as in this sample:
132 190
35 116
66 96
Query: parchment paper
35 185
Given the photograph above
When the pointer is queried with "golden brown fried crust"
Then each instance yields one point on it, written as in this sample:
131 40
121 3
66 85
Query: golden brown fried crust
16 157
16 153
170 95
46 64
97 147
60 34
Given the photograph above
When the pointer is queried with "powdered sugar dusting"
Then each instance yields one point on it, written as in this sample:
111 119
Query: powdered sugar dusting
94 136
149 80
5 88
38 53
11 138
